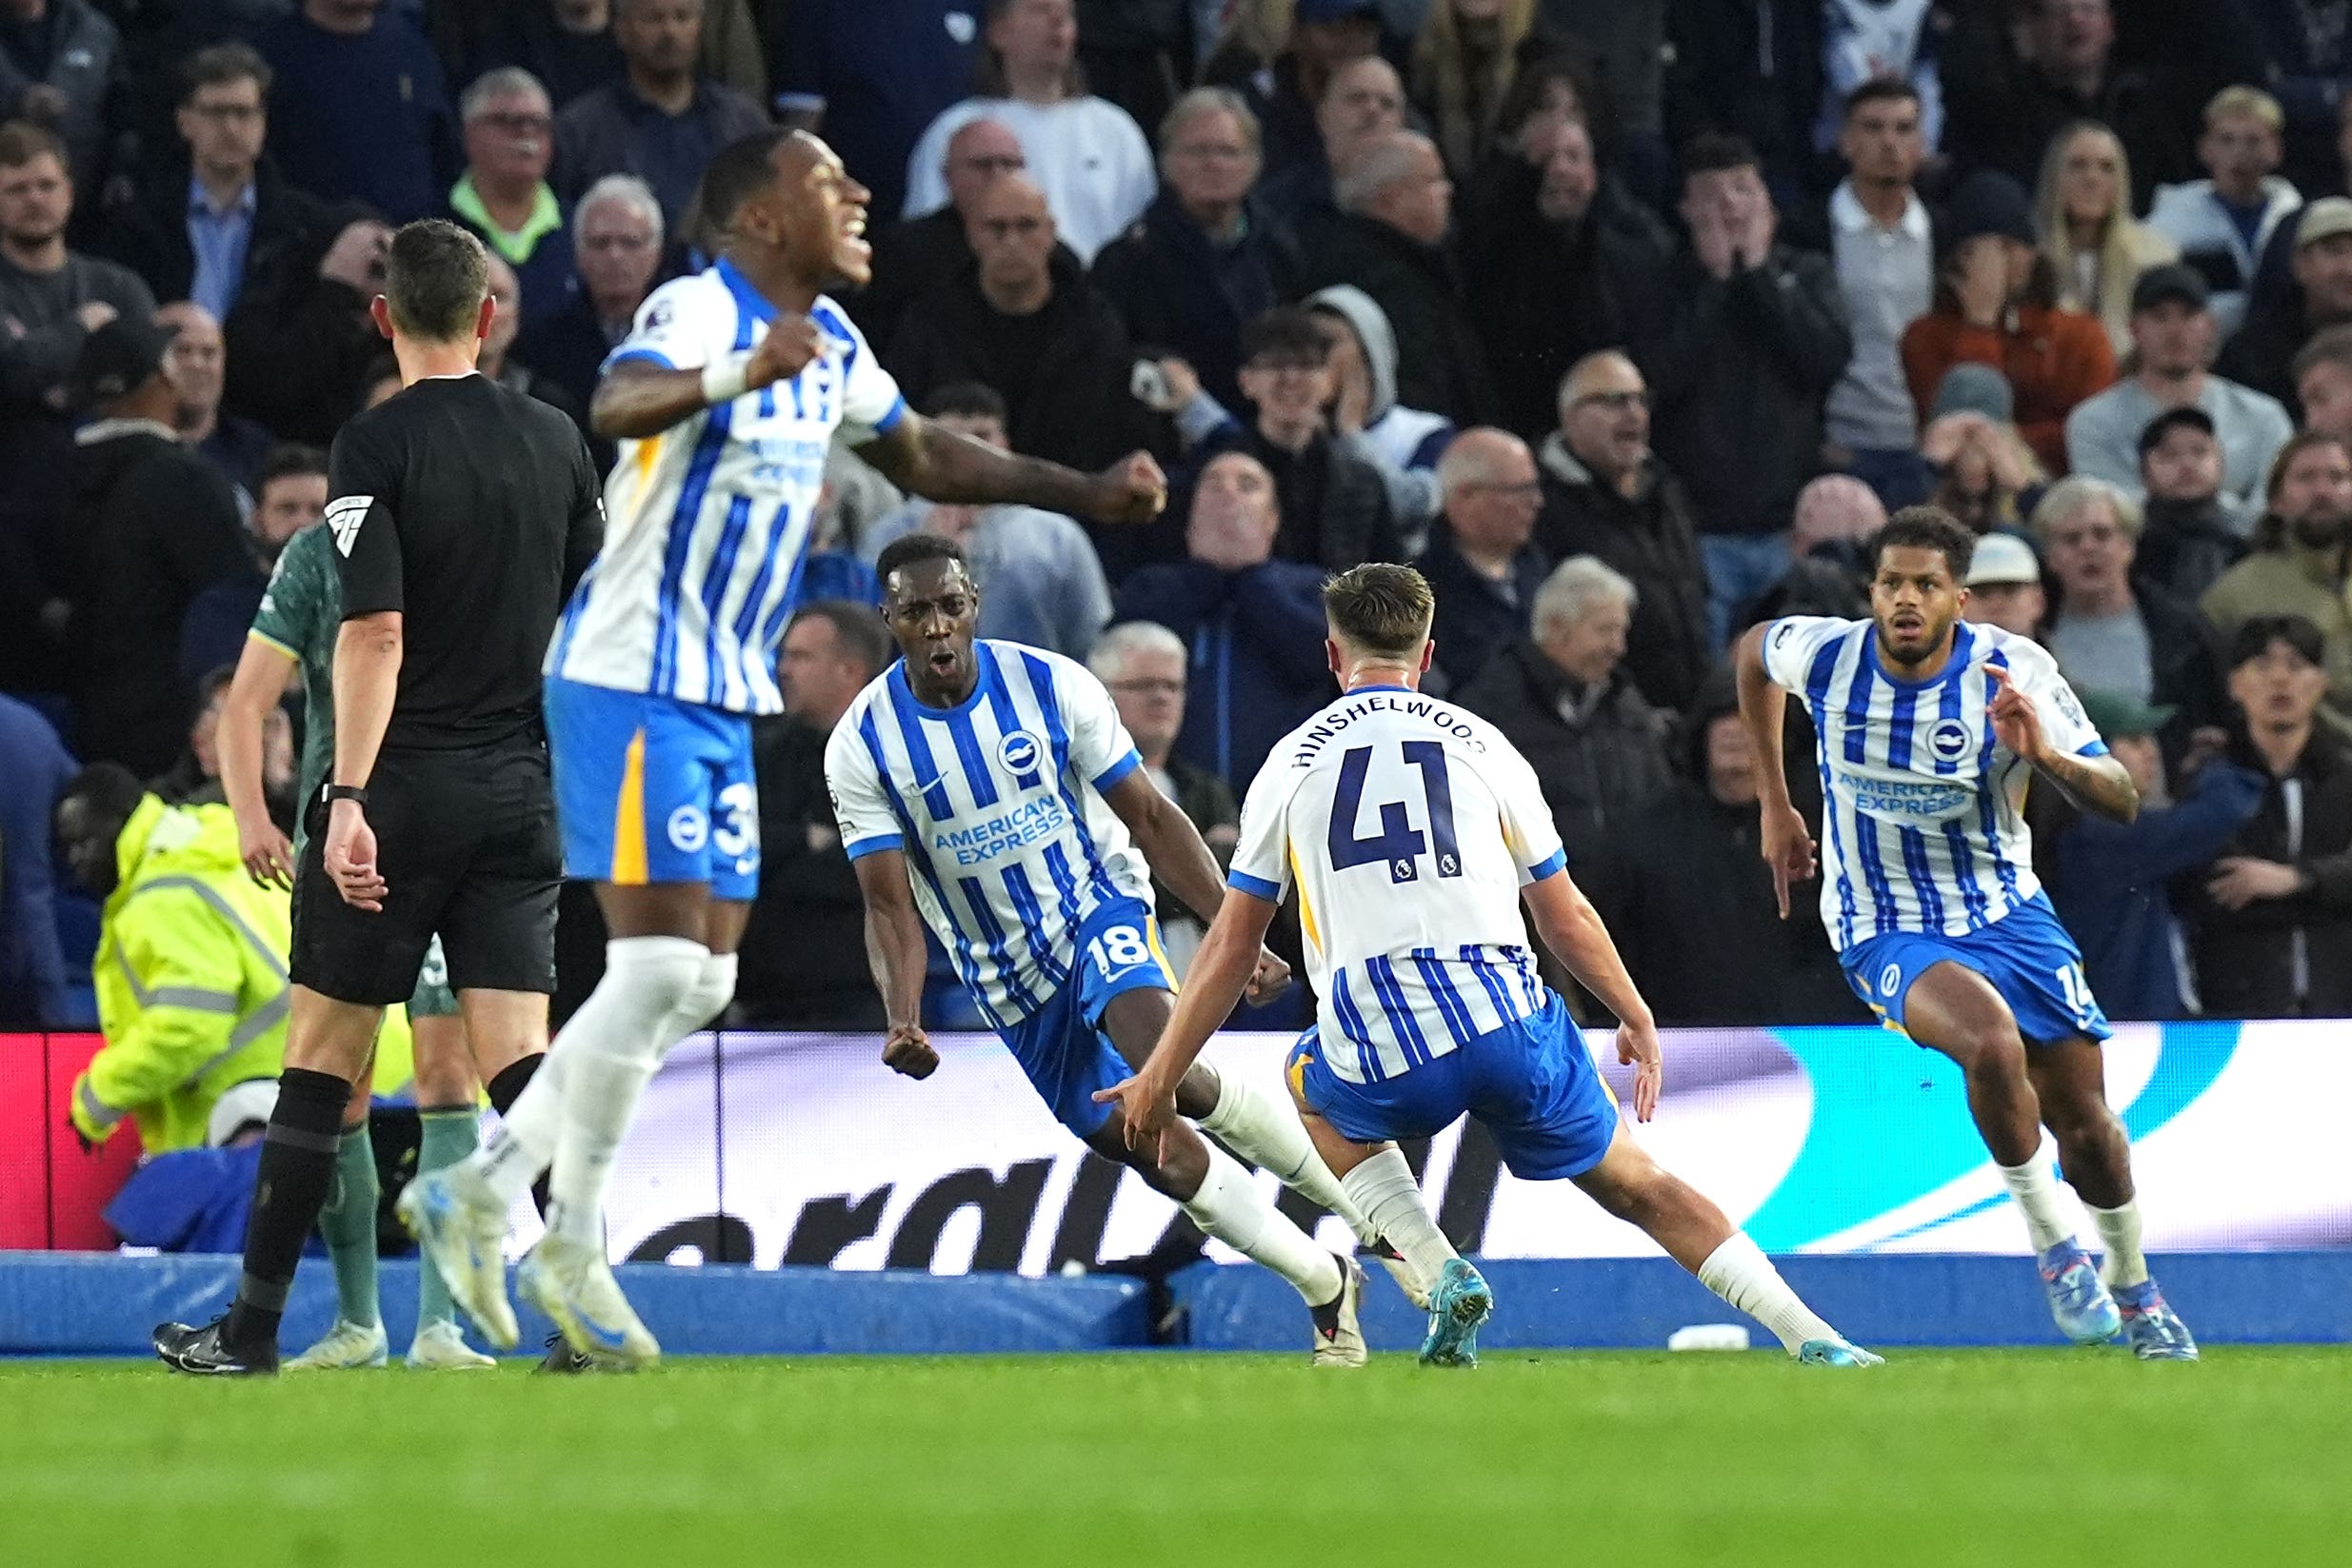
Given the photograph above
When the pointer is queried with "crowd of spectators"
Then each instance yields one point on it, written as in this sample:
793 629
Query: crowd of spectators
1629 322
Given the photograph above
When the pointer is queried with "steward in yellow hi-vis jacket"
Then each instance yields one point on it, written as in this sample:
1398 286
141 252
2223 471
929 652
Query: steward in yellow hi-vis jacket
191 972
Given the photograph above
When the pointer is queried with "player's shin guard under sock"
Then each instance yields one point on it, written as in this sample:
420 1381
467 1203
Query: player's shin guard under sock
512 1163
450 1133
1385 1194
1230 1207
1259 1129
504 1091
612 1045
713 989
348 1224
2119 1228
297 1169
1740 1273
2034 1184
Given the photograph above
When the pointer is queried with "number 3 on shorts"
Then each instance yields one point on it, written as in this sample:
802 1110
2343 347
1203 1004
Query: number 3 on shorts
1118 950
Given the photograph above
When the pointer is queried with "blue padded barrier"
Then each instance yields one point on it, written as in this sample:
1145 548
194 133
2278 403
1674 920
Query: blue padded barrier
2247 1298
101 1304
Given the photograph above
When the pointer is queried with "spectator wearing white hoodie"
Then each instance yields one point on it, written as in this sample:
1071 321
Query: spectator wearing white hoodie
2224 224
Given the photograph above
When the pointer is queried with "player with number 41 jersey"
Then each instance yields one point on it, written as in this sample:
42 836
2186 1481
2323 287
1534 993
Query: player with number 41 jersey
1412 834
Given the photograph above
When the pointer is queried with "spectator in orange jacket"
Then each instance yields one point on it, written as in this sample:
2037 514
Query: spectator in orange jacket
1996 303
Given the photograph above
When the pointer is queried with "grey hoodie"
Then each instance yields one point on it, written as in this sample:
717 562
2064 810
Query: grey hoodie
1392 437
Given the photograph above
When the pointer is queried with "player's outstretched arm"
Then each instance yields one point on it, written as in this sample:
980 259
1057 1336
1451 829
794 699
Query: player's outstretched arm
1184 861
1788 843
1571 928
1222 967
940 465
2097 785
638 398
255 689
894 954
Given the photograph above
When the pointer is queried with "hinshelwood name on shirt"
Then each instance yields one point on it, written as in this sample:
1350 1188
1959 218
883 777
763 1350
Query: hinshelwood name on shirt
1435 712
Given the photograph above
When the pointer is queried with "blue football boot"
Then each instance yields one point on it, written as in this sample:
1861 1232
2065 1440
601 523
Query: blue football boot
1459 1307
2085 1313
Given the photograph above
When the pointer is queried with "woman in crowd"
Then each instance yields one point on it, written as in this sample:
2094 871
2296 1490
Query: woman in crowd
1462 67
2098 248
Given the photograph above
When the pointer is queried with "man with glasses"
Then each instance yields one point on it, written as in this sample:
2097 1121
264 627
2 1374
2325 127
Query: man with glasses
1483 563
504 196
1606 495
1143 664
1206 255
234 219
616 247
917 255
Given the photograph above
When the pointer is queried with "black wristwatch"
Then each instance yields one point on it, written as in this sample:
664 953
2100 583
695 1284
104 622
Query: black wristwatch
334 792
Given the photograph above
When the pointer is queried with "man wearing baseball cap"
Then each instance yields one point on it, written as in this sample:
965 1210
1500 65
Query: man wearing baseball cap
2004 584
2261 354
2108 881
152 526
2172 338
2190 539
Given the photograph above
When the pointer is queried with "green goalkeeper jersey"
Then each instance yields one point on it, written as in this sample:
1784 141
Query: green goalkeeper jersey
300 614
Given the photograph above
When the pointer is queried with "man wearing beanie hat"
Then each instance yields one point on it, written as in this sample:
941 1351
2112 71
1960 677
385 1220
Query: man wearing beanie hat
1996 303
2172 336
152 526
2261 354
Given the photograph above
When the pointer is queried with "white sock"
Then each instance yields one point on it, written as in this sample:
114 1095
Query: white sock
2119 1228
616 1040
505 1166
1740 1273
713 989
1230 1207
1389 1199
1272 1136
2034 1184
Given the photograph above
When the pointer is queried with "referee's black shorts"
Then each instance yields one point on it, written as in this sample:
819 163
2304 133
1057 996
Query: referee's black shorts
468 844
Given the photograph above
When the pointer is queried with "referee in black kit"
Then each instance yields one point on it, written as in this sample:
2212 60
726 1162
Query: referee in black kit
462 514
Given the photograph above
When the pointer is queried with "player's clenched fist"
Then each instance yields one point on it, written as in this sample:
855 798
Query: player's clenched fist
792 344
907 1049
1131 491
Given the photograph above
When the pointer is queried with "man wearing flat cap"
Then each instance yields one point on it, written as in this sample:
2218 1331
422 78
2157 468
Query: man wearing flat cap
2172 338
150 524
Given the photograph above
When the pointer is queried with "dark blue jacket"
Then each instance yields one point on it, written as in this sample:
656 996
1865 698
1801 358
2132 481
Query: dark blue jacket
1257 669
365 118
33 772
2107 884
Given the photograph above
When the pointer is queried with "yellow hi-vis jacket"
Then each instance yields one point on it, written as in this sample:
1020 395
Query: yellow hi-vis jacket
190 974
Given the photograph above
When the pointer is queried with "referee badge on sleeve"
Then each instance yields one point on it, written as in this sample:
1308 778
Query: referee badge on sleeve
344 516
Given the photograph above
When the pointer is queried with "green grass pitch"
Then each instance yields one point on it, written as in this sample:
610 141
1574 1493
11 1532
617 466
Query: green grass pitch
2006 1459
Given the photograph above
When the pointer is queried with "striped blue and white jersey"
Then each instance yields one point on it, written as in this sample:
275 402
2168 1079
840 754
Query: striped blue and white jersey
998 806
1923 826
1408 827
707 524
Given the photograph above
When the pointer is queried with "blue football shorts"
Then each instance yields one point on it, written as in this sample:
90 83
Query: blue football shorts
649 789
2026 955
1062 1047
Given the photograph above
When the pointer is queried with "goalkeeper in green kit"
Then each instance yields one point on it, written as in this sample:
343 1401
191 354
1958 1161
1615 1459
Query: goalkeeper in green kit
300 614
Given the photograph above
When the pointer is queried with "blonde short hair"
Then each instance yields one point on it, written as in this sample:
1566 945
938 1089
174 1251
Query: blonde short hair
1380 609
2231 101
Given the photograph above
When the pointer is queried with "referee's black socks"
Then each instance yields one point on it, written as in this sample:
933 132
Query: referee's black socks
297 1171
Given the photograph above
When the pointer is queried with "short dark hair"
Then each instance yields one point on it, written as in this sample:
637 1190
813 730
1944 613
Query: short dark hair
912 550
21 141
1284 329
223 64
2186 417
738 172
1381 609
1712 151
967 400
856 627
435 278
1524 97
1926 528
286 460
2254 639
1880 89
107 789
